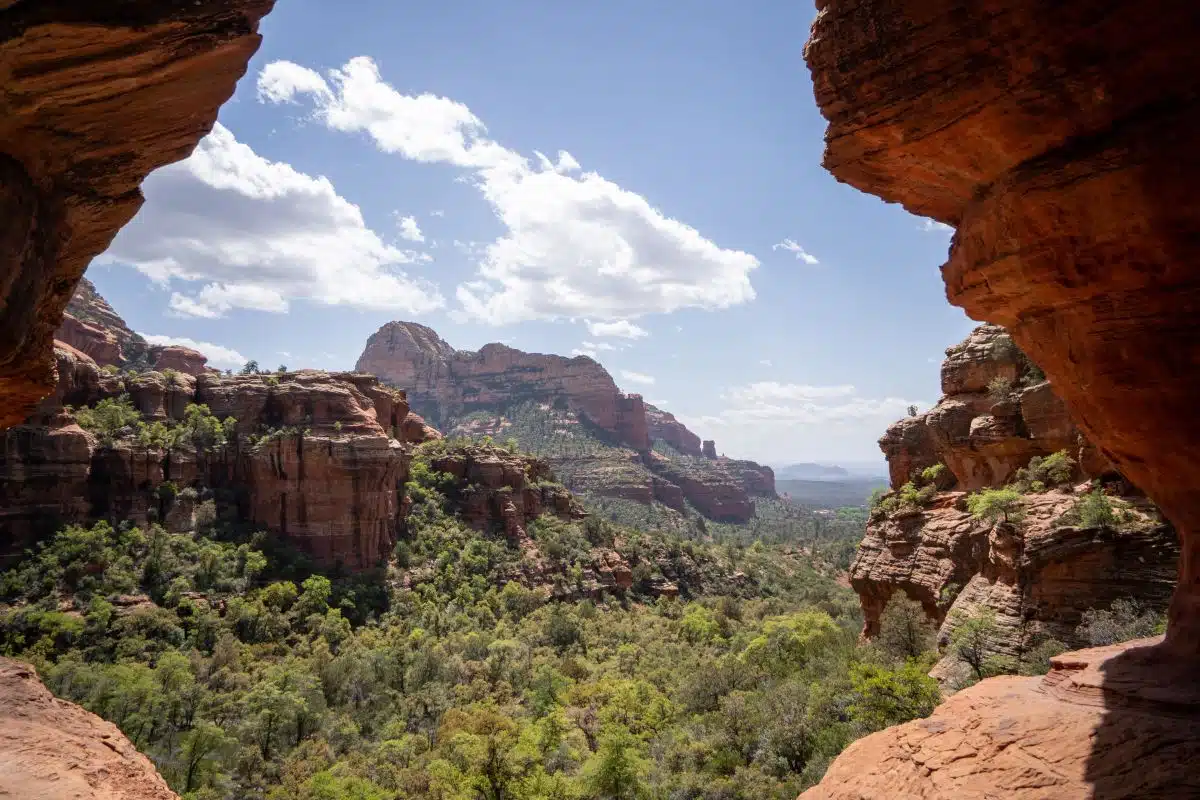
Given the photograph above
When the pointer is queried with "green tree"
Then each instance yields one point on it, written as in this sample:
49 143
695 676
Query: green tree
250 368
1005 504
787 642
884 697
617 770
200 754
905 630
109 419
1095 510
973 641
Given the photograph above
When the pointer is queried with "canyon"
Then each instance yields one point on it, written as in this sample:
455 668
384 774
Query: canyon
600 440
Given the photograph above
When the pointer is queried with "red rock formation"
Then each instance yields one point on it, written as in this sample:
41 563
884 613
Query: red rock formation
982 431
1089 729
713 490
51 749
326 475
91 326
96 97
710 448
506 490
445 383
1059 140
184 360
1038 578
664 427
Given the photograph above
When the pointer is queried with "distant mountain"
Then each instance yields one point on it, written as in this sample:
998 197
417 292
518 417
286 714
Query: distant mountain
599 440
807 471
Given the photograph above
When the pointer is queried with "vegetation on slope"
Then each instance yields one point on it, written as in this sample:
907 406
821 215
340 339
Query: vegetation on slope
241 675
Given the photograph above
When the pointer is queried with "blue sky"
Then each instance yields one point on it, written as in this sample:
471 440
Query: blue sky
639 182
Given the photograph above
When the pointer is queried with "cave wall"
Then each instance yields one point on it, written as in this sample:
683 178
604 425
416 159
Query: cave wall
1059 139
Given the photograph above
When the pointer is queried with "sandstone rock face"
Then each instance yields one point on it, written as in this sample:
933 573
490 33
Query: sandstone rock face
996 413
52 749
1059 141
1038 578
445 383
456 388
709 448
665 427
506 490
1090 729
91 326
95 97
315 460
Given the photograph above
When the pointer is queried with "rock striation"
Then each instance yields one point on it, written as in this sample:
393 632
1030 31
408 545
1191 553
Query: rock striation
1058 141
1037 578
996 413
91 326
96 96
472 392
317 458
52 749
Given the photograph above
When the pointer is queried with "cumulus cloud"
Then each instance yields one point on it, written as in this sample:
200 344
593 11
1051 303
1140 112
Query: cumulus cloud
409 229
575 242
766 362
785 422
218 355
933 226
621 329
637 377
228 229
793 247
583 350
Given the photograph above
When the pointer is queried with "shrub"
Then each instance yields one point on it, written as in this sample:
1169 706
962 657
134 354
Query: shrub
110 418
1095 511
1000 387
973 640
912 410
1122 621
171 377
271 381
884 697
997 504
1045 471
932 474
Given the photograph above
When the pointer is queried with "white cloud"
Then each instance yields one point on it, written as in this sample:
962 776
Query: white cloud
218 356
766 362
575 243
437 213
228 229
637 377
590 352
598 346
933 226
786 422
792 247
409 228
621 328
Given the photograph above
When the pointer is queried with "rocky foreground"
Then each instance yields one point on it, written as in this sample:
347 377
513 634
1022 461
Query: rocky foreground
53 750
1091 728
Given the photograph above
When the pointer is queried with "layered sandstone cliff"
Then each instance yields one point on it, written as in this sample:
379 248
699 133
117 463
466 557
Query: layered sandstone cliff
95 96
317 458
481 392
997 412
52 750
91 326
996 415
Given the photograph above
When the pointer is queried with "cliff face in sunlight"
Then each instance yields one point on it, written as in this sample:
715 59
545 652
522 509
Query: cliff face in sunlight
1058 140
570 410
